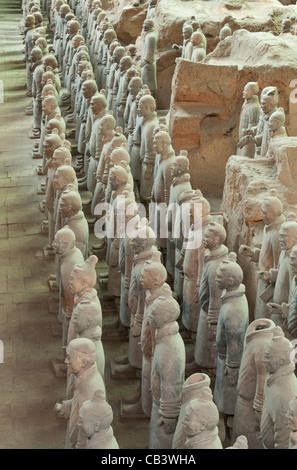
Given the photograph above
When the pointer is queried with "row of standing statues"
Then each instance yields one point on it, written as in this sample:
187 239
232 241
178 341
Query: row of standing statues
170 272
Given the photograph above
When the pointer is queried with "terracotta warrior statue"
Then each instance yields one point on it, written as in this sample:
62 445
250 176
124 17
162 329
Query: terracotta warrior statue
80 361
147 109
210 297
180 183
281 277
98 107
61 157
126 256
191 259
148 58
130 114
168 371
225 32
94 423
106 132
30 30
276 126
141 242
198 51
232 324
186 49
152 279
248 119
120 190
162 179
268 256
64 180
37 69
250 384
268 102
279 389
134 137
68 255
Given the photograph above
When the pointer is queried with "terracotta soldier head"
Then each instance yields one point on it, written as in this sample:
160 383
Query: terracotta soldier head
86 314
50 61
135 85
153 273
119 154
162 141
277 351
269 99
118 139
49 89
70 16
80 355
51 142
118 53
214 235
29 21
118 176
64 240
201 415
250 89
89 88
48 75
107 124
42 44
72 27
49 104
277 120
95 415
288 233
64 10
55 123
109 36
197 38
271 207
148 25
98 103
36 55
180 164
164 310
64 175
77 41
61 156
229 274
187 30
70 203
146 105
142 238
83 276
